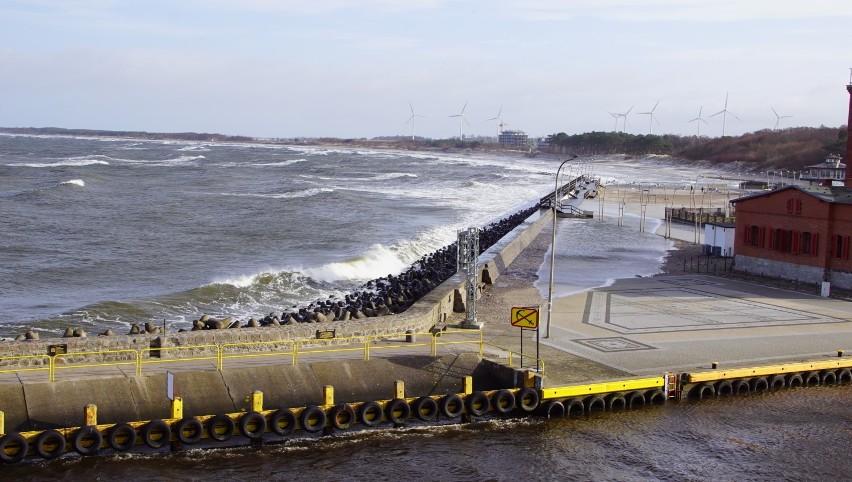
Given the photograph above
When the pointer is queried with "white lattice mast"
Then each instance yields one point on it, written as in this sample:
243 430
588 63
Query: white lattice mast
468 255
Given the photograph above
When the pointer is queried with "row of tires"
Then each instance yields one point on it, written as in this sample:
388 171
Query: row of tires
89 440
742 386
612 402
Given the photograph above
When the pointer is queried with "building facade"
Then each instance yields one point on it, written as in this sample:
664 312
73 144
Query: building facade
516 139
796 233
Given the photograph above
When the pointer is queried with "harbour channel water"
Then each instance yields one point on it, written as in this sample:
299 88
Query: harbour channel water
103 233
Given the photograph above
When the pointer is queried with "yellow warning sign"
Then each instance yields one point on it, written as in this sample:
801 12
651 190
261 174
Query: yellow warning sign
525 317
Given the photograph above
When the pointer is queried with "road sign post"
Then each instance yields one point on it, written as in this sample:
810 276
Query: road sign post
526 318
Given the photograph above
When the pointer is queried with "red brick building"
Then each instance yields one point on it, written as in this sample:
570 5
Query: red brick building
796 233
799 233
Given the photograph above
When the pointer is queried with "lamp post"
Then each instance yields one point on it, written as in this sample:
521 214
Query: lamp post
553 249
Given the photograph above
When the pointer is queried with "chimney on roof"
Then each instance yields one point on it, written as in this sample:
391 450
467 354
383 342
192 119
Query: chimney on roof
848 181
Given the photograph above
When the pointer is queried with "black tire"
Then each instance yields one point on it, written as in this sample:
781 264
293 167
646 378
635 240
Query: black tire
794 380
812 379
844 376
724 388
777 382
741 386
156 434
397 411
552 409
828 377
615 401
574 407
527 399
759 384
503 401
635 400
341 416
594 403
477 404
452 406
87 440
702 391
425 409
189 430
253 425
370 414
283 422
13 448
50 444
655 397
221 428
312 419
121 437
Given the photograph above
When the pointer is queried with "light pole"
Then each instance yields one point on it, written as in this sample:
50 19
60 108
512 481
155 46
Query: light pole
553 249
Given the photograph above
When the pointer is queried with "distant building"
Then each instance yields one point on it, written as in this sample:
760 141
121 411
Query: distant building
516 139
542 143
824 173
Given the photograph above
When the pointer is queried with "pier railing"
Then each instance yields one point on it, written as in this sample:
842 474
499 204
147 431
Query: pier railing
290 351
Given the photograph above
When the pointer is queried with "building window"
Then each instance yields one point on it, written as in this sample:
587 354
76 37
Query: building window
840 247
754 238
794 206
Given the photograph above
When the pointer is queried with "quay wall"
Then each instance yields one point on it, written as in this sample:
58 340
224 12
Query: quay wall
44 405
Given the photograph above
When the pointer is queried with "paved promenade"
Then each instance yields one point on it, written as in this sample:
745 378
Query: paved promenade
645 326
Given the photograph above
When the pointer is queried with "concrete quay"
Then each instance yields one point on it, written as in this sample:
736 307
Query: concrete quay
646 326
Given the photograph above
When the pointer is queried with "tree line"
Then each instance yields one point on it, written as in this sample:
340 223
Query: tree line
791 148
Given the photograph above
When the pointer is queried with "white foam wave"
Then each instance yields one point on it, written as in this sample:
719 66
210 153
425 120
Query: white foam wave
279 163
283 195
378 261
197 148
393 175
72 162
74 182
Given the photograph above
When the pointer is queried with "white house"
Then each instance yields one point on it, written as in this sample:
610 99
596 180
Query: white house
720 238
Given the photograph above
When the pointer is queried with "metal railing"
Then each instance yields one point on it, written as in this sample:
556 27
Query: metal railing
293 349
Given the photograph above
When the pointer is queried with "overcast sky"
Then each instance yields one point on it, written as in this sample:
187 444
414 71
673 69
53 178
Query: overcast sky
349 68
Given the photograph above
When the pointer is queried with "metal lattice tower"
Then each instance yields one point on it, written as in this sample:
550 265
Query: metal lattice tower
468 255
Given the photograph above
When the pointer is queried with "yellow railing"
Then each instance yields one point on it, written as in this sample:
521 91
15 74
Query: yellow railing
143 362
220 352
222 356
336 341
539 363
47 366
54 365
398 344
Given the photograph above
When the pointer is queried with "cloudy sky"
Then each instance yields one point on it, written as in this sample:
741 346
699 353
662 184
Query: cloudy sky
349 68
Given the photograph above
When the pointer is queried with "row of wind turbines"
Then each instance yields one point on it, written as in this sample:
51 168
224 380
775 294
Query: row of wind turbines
698 120
412 119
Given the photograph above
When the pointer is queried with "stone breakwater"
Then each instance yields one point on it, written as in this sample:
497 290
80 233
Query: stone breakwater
433 307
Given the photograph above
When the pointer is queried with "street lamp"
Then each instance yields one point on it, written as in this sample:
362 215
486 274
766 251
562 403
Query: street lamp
553 249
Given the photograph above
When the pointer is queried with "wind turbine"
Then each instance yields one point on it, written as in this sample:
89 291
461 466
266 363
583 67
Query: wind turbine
462 120
614 116
779 117
699 120
625 119
651 113
412 119
725 113
499 120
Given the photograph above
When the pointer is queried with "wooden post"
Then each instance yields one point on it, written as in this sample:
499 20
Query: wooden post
468 385
177 408
399 389
257 401
90 415
328 395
